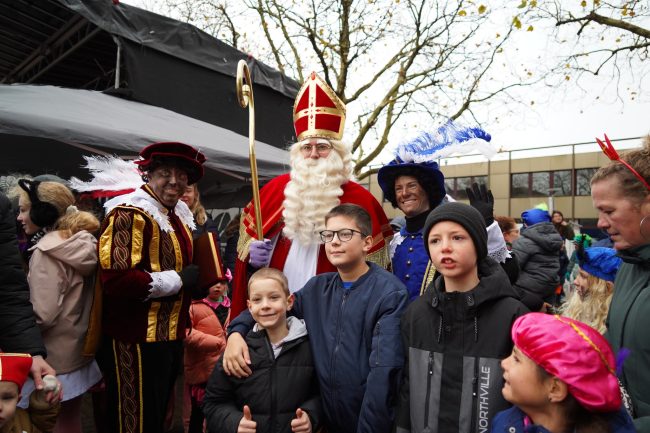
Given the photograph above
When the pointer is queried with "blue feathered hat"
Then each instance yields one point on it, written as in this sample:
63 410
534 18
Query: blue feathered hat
534 216
416 157
600 262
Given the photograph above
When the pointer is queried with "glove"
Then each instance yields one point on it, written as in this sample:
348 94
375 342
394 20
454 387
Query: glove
165 283
260 253
482 200
189 276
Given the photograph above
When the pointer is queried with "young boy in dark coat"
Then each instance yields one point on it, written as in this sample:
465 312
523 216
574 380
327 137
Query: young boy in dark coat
282 394
353 320
456 334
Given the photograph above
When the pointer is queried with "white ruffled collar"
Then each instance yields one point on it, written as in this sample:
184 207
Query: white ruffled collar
145 201
398 238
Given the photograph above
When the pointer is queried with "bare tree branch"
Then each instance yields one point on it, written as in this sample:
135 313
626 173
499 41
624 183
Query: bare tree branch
389 61
606 21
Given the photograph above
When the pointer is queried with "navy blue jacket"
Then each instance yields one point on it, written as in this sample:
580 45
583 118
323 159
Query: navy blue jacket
355 340
411 262
512 421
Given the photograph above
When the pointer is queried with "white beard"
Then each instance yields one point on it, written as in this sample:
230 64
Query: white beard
314 189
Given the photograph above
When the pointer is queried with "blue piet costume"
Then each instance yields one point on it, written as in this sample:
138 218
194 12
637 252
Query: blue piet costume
600 262
416 157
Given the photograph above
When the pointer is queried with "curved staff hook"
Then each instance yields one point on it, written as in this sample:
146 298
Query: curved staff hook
245 97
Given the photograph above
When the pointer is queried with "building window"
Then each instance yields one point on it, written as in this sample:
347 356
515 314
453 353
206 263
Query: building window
583 179
455 186
450 185
562 182
541 184
519 185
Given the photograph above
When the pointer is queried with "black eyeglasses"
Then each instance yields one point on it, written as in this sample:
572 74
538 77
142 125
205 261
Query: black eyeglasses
344 235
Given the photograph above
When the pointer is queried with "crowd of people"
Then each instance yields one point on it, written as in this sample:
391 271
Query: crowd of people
458 321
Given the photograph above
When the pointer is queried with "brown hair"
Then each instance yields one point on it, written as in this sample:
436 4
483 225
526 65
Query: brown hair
57 194
358 214
506 223
76 221
578 419
233 227
270 274
629 185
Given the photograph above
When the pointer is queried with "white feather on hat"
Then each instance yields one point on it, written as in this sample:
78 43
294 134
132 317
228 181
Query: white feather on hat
110 173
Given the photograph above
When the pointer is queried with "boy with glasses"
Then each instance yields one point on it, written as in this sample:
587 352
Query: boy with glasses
293 205
352 317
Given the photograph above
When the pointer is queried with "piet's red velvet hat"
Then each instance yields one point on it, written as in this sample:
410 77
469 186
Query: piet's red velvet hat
181 151
14 367
318 112
573 352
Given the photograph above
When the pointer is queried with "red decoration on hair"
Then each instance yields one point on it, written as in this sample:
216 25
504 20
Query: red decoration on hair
612 154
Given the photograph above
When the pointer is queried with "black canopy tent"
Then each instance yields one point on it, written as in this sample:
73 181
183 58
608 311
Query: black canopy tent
152 59
91 121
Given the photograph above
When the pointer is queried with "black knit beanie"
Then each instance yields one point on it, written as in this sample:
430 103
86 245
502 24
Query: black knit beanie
466 216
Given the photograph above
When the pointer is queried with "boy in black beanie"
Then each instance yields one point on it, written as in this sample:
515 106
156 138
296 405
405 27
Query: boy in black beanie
457 332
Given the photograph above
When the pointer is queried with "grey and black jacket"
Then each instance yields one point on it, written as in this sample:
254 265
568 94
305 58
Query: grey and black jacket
538 252
454 344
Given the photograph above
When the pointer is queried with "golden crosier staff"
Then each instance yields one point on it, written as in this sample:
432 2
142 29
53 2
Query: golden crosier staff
245 97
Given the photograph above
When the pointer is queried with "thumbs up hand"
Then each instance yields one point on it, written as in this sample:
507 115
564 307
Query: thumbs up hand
301 424
246 423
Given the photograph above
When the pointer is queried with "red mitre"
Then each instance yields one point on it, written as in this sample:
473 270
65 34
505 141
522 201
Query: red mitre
181 151
318 112
14 367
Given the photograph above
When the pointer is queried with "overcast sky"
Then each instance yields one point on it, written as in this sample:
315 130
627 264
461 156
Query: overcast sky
558 116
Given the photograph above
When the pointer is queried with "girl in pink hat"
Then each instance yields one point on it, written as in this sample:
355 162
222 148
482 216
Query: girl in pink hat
560 378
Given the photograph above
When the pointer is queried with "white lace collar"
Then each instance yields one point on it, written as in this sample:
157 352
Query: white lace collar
145 201
398 238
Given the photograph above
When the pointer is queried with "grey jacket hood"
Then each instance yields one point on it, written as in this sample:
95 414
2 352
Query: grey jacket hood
544 235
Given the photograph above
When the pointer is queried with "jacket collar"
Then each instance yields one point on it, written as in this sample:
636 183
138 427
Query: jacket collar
493 284
144 199
636 256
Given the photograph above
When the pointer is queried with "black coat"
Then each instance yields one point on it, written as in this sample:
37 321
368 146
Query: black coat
275 389
19 332
454 344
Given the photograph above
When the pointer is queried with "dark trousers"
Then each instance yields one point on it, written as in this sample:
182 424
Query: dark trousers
139 380
196 417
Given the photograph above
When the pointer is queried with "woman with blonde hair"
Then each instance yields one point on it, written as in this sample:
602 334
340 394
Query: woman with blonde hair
594 287
204 222
61 280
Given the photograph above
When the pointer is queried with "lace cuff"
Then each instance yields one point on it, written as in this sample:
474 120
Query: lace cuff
497 248
165 283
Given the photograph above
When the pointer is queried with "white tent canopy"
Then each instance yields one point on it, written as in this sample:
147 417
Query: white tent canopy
90 118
